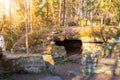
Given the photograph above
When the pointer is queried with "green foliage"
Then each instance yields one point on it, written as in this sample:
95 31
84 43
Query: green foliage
36 41
82 22
103 33
12 34
51 14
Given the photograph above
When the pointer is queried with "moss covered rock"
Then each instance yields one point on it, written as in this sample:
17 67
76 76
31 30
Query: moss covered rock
29 64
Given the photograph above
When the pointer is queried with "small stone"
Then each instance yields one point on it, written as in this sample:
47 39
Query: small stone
51 78
72 73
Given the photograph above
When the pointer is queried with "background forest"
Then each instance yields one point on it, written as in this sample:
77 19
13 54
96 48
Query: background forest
33 16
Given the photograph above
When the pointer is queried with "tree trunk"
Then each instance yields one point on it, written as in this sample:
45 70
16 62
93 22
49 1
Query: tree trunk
63 23
47 14
60 13
27 24
102 20
91 17
52 9
10 23
81 14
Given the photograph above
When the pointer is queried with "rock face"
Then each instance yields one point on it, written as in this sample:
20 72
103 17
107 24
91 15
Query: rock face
94 39
29 64
88 62
58 52
94 42
103 65
50 64
107 69
103 40
108 61
104 49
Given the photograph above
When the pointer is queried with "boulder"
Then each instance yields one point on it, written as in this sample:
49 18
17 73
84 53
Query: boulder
50 64
58 52
29 64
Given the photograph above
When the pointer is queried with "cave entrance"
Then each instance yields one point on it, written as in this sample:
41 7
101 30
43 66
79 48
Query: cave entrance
72 46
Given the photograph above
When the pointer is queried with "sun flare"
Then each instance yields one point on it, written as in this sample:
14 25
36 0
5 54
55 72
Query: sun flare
7 6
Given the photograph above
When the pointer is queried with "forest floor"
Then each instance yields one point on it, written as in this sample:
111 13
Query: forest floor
62 72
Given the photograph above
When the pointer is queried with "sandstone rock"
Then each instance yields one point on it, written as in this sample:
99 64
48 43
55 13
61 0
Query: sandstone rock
93 47
51 78
107 69
58 51
50 64
90 59
107 49
110 61
105 65
48 58
87 34
29 64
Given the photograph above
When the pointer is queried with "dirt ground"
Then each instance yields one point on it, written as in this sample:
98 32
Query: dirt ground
61 70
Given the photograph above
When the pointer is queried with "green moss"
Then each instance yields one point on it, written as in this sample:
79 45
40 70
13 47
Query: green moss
88 73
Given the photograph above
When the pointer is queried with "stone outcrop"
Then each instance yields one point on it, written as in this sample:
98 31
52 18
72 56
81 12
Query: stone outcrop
101 40
96 38
93 64
29 64
107 69
86 34
109 61
58 52
96 42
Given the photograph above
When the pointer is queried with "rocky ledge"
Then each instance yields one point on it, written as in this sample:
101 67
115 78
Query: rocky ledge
28 64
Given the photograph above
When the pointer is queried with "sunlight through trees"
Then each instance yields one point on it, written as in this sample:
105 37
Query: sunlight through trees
18 17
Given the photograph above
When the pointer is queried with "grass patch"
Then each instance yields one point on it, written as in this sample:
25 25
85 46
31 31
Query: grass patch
5 76
63 62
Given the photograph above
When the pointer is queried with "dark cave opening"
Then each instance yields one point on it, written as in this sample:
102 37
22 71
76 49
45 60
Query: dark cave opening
72 46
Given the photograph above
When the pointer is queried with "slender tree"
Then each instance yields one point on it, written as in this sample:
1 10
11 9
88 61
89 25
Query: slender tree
27 24
64 11
60 1
51 4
